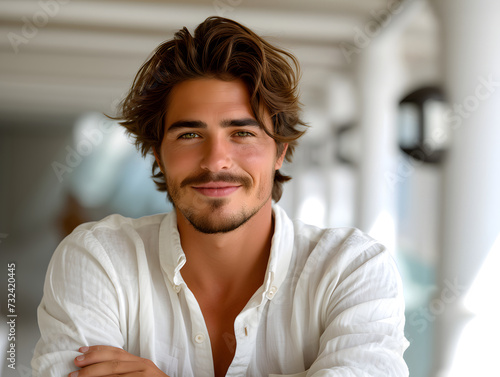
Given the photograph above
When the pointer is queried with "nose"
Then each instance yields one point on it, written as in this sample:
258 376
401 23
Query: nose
216 155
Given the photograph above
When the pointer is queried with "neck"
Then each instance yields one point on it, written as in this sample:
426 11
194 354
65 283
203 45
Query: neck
224 260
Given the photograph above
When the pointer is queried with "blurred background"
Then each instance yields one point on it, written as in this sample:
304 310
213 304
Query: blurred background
403 102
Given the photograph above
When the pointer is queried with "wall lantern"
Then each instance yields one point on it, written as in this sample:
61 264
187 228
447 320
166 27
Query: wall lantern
423 132
347 145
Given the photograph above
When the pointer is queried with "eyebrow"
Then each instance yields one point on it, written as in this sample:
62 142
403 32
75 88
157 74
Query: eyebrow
240 122
225 123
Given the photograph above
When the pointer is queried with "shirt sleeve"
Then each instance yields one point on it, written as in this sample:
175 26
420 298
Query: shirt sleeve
363 319
79 307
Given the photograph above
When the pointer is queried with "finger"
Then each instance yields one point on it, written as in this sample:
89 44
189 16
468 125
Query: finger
110 368
98 354
98 348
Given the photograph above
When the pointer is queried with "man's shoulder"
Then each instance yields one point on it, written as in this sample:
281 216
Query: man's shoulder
328 257
115 236
117 223
320 244
338 245
347 236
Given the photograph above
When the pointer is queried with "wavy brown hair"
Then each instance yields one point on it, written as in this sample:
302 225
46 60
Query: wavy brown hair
221 49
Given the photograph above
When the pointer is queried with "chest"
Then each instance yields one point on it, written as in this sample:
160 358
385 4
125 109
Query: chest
219 319
264 331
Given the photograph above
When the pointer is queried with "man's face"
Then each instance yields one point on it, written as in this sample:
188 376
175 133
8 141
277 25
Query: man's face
219 164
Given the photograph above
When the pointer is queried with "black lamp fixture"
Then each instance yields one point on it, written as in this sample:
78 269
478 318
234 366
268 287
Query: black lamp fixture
347 144
423 130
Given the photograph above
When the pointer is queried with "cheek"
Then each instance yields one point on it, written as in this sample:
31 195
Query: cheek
178 160
258 155
258 161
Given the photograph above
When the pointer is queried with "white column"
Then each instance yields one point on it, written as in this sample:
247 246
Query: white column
377 74
471 195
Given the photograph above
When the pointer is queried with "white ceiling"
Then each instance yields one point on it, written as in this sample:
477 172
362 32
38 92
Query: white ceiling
88 52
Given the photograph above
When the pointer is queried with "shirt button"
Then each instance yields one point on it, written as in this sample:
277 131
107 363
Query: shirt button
177 288
272 291
199 338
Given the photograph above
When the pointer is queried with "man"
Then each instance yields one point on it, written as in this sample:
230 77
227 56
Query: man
226 284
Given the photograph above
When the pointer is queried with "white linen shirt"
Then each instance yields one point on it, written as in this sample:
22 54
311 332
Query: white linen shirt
331 303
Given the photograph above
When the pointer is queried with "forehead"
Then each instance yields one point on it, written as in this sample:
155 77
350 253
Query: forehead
202 97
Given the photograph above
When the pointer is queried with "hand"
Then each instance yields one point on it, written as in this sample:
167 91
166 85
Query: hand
98 361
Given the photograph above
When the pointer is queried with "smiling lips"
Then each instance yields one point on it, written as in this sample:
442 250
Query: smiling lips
216 189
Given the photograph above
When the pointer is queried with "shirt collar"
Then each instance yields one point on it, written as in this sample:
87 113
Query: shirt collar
281 252
172 257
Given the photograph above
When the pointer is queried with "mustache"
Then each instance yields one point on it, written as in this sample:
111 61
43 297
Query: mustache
206 177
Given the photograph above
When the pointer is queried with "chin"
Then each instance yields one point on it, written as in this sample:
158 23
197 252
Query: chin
218 217
217 224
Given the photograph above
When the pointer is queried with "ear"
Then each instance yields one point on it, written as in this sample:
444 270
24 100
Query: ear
158 159
281 157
